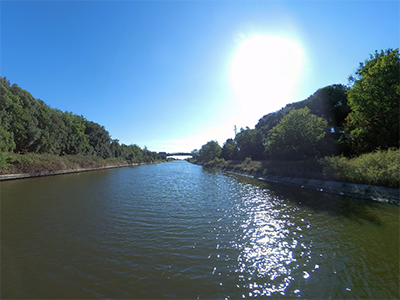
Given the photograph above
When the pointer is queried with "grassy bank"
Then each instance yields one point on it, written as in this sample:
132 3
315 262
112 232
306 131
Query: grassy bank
381 168
32 163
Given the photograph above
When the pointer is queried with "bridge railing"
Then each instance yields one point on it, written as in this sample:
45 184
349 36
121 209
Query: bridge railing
165 154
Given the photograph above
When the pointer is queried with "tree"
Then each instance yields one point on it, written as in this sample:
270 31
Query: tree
330 103
195 154
115 148
374 99
229 150
249 144
80 135
26 111
6 117
58 132
209 151
296 136
136 153
99 140
267 122
6 140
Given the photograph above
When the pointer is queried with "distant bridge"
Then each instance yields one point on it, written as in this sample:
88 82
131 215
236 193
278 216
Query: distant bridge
165 154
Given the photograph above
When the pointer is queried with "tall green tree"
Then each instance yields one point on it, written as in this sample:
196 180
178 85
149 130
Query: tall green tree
115 148
6 140
296 136
6 117
249 144
329 102
26 112
99 140
209 151
134 153
58 132
374 99
80 135
195 154
229 150
29 125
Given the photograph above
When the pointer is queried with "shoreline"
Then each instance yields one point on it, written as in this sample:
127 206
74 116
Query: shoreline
353 190
62 172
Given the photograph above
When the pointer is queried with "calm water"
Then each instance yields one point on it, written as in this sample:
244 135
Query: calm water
176 230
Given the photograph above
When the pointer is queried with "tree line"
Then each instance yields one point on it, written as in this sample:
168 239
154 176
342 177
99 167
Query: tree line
347 120
29 125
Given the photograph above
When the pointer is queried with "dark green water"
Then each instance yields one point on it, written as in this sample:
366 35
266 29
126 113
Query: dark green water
176 230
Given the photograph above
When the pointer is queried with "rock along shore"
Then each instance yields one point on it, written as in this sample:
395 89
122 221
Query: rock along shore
364 191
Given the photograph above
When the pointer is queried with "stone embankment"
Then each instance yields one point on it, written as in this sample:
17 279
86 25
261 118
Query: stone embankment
370 192
364 191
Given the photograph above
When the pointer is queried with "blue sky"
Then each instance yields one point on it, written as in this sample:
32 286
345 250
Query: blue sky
159 73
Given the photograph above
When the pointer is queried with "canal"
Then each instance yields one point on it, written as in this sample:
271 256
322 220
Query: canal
177 230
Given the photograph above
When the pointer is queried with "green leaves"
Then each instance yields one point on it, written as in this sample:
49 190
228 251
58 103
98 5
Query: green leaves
209 151
29 125
374 99
296 136
6 140
249 144
229 150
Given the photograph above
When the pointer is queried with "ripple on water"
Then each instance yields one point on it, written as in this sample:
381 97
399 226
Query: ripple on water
176 230
273 251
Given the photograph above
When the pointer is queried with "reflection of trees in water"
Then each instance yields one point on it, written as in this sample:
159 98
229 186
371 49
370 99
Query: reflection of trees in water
212 171
357 209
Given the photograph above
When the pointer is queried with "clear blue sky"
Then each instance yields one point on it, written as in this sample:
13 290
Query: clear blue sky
159 73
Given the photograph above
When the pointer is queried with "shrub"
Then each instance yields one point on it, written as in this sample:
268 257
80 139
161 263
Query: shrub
218 161
376 168
3 162
247 160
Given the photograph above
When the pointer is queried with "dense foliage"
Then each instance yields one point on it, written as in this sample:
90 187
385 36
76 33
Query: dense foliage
28 125
297 135
275 134
336 120
229 150
249 144
374 99
208 151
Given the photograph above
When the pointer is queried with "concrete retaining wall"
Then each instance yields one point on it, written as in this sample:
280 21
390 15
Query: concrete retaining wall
370 192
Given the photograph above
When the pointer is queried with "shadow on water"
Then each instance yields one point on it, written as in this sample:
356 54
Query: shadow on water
352 208
212 171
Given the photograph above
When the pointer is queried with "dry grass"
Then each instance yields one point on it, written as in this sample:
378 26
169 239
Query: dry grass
11 163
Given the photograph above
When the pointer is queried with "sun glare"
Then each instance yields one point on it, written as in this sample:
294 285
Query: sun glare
264 71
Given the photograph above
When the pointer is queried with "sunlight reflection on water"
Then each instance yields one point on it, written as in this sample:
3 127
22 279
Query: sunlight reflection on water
175 230
269 240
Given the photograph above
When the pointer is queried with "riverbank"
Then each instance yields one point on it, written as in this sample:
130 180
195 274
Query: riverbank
51 173
36 165
354 190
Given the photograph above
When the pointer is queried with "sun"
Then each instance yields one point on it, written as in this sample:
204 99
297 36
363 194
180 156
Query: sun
264 71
